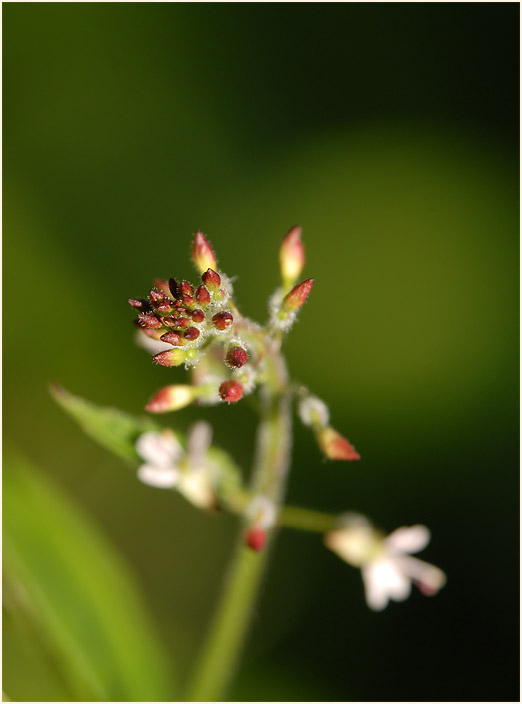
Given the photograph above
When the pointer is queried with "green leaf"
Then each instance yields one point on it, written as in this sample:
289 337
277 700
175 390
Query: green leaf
76 598
115 430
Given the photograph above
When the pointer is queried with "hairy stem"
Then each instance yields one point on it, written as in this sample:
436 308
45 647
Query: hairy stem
222 649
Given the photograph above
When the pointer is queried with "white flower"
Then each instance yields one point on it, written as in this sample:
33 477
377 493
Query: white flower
168 466
314 412
262 512
386 564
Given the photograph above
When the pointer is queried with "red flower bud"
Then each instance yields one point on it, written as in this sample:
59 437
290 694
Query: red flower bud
170 358
187 300
335 446
140 304
148 320
182 322
211 279
197 316
191 334
203 296
236 357
298 295
185 287
168 321
163 285
202 253
256 539
231 391
173 339
156 296
171 398
165 307
223 320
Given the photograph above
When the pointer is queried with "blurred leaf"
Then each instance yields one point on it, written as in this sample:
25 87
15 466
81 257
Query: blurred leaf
71 590
115 430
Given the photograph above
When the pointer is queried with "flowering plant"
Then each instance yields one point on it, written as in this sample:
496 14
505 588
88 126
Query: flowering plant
229 357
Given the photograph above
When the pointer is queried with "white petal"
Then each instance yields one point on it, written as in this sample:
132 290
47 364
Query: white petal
150 344
160 477
410 539
199 439
375 591
428 578
196 488
385 580
158 449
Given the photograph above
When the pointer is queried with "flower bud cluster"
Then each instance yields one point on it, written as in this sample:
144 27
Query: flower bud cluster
183 320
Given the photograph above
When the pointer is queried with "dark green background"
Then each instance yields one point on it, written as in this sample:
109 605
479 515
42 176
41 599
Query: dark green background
390 133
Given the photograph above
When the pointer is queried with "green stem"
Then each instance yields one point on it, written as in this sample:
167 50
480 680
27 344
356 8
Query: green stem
235 500
222 648
304 519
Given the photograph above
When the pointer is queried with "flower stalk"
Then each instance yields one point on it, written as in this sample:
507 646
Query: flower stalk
229 357
222 648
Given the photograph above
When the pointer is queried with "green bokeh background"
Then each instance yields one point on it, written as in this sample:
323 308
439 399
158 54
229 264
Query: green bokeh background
390 133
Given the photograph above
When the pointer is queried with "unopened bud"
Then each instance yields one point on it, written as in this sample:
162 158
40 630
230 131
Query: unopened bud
187 300
223 320
191 334
182 322
148 320
256 538
170 358
236 357
203 296
211 279
186 287
163 285
202 253
197 315
335 446
165 307
291 257
156 296
140 304
173 339
169 321
231 391
172 398
298 295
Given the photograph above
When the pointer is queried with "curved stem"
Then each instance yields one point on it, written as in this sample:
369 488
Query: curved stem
222 649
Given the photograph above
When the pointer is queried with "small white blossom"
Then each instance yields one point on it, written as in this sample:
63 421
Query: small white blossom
262 512
168 466
387 567
314 412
